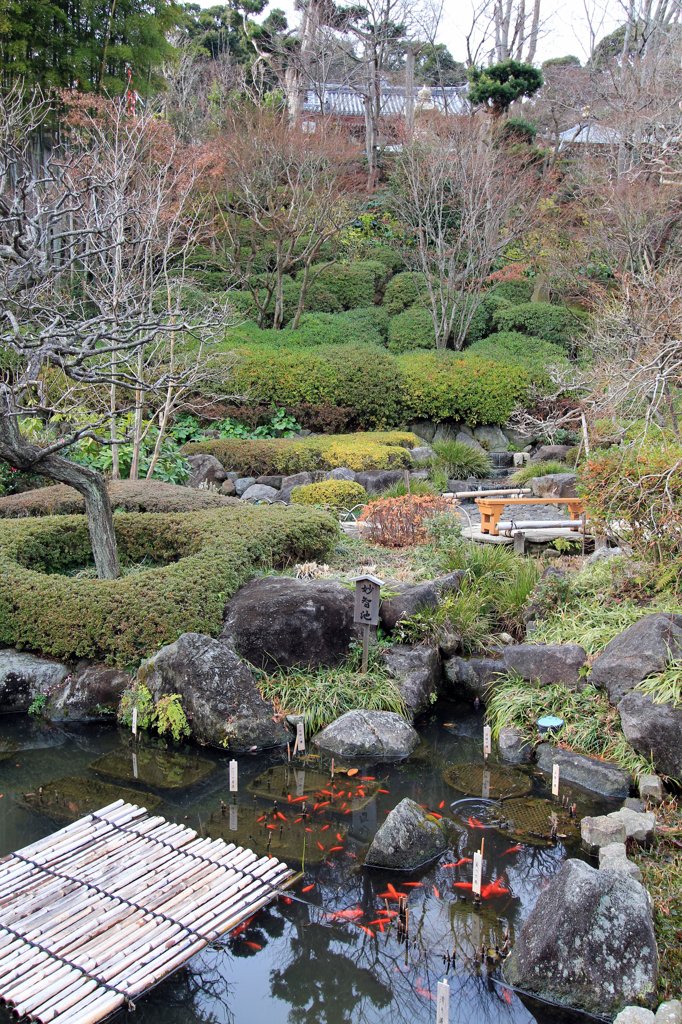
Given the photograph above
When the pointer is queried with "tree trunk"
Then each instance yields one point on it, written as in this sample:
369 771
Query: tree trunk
20 453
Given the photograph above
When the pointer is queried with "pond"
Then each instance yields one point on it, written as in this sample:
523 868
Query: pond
333 951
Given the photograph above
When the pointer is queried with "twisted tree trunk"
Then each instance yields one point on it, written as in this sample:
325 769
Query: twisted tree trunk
29 458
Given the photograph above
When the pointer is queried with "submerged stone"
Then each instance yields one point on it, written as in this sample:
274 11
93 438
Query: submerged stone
161 769
535 820
492 782
408 838
288 784
73 797
588 943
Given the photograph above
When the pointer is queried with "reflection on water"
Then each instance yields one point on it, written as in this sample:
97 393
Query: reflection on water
335 950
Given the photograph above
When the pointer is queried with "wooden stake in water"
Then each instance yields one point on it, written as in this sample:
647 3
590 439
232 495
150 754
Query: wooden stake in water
485 787
300 739
555 780
478 874
288 751
443 1002
487 741
332 768
234 776
135 722
135 773
234 817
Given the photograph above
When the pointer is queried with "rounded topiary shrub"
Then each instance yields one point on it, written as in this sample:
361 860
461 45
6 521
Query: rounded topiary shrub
125 495
410 330
542 320
351 284
513 292
534 354
405 290
332 494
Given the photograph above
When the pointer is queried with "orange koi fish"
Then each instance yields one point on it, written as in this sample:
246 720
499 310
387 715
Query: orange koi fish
475 823
513 849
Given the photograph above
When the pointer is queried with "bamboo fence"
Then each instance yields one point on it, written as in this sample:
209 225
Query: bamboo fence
103 910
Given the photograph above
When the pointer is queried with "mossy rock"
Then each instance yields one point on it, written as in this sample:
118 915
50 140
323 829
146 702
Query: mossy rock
530 820
286 781
73 797
263 831
160 769
501 783
7 750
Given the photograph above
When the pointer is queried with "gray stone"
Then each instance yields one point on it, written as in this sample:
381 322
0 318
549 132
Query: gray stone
472 677
376 480
519 439
491 438
342 474
512 747
640 651
425 429
243 483
408 838
419 675
260 492
590 773
635 1015
613 857
547 663
446 432
287 483
588 943
223 705
654 730
421 455
465 438
281 622
638 826
633 803
601 831
228 488
551 453
23 677
205 471
602 555
669 1012
270 481
377 735
651 788
410 598
87 693
554 485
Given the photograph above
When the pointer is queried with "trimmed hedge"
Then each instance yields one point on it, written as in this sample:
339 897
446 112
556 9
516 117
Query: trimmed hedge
125 495
292 455
534 354
405 290
411 329
444 385
332 494
513 292
209 555
351 284
542 320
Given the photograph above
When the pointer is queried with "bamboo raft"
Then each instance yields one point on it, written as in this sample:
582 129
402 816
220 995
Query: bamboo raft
100 912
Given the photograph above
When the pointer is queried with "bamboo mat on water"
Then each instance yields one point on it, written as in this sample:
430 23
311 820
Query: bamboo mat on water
98 913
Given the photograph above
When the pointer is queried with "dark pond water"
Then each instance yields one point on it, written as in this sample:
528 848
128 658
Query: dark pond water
298 962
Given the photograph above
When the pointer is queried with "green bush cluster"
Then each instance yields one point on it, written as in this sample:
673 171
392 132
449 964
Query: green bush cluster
405 290
513 292
332 494
411 329
388 450
125 496
542 320
351 284
201 559
534 354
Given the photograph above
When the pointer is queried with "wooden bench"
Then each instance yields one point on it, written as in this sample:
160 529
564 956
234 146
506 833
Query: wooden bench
491 509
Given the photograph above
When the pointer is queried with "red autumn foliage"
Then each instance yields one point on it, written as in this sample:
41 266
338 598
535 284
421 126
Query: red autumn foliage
399 522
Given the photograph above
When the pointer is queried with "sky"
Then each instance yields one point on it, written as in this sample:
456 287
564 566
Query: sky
565 24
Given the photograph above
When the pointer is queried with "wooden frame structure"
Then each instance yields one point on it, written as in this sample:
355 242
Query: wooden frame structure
491 509
100 912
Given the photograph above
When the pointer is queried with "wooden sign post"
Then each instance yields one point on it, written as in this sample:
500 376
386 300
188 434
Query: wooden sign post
555 780
478 874
487 742
366 614
299 744
234 776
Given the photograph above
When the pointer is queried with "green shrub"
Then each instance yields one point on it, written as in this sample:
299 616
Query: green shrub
363 378
405 290
460 460
355 326
513 292
125 496
534 354
351 284
360 451
200 560
411 329
535 469
332 494
442 385
542 320
366 324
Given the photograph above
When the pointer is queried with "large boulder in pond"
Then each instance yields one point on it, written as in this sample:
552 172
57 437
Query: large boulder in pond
547 664
643 649
654 730
601 777
418 673
370 735
87 693
588 942
23 677
409 838
219 695
281 622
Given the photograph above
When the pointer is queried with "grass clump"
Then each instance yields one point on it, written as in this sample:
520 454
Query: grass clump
666 687
460 460
592 725
321 697
535 469
334 495
463 619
